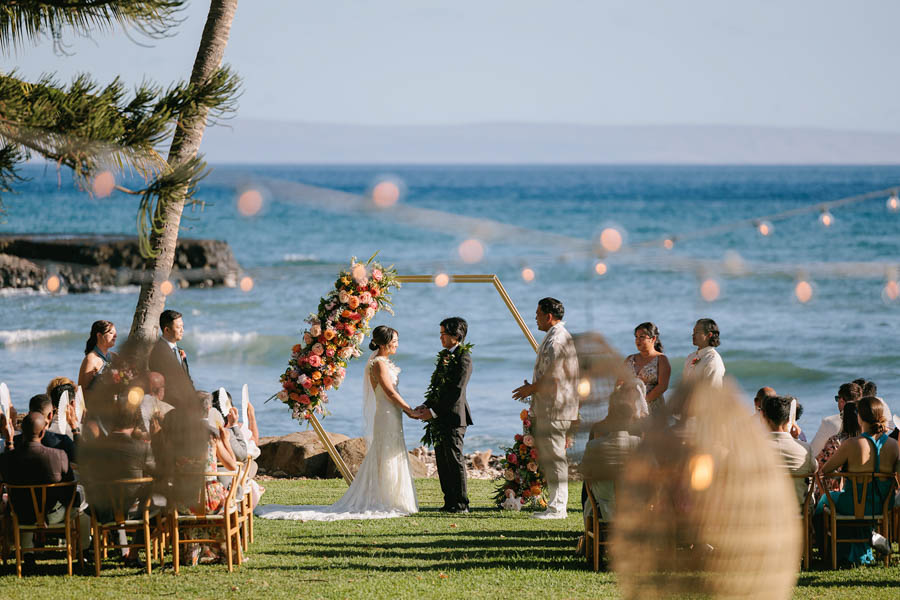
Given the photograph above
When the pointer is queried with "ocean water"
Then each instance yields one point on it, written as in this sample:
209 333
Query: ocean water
294 247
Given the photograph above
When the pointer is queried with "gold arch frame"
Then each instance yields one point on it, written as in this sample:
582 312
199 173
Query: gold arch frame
492 279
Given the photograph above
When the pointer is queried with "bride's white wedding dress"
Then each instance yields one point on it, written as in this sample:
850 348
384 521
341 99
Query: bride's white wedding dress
383 487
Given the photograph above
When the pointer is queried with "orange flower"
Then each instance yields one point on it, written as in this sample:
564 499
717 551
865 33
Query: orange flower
526 494
354 302
524 414
329 334
297 348
314 391
345 313
317 375
327 381
535 490
350 329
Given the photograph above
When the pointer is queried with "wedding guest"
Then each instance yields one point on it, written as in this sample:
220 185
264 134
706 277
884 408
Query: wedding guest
96 352
55 390
831 425
42 405
650 365
229 422
705 363
796 455
849 429
872 451
761 394
868 387
554 403
34 463
171 360
610 445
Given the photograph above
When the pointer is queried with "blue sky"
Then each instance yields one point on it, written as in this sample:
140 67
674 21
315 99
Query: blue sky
822 64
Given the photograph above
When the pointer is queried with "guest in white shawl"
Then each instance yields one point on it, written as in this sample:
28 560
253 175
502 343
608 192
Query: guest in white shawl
705 363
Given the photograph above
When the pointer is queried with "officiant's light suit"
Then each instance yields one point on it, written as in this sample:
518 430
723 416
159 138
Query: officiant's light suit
555 406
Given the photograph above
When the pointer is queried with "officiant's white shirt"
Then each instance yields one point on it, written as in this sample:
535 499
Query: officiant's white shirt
556 368
706 364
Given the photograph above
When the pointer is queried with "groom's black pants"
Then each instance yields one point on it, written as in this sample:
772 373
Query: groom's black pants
451 466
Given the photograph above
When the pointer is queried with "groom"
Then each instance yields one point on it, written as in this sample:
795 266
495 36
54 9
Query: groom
450 411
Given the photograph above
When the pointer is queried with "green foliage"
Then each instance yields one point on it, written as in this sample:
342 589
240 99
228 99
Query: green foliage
447 370
22 20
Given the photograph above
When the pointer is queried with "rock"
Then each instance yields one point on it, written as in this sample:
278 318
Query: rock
299 454
353 451
481 460
417 466
89 263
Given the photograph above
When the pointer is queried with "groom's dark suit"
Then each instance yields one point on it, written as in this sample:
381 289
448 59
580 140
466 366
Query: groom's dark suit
452 415
175 370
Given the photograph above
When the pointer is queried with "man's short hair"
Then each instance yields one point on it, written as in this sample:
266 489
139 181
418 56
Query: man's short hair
39 403
32 425
762 394
57 392
777 409
850 392
455 327
125 415
167 318
552 307
56 381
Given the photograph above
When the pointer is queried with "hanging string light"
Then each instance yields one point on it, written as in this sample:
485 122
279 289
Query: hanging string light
709 289
765 228
826 218
891 291
441 280
528 274
600 268
803 291
669 243
893 203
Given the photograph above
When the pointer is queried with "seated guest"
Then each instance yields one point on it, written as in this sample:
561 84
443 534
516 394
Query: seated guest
96 352
7 429
831 425
33 463
796 432
796 455
761 394
610 445
871 451
55 390
849 429
44 406
229 421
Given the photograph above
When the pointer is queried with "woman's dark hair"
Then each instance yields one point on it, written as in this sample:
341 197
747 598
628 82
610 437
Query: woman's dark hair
710 328
96 329
849 423
850 392
871 411
552 307
381 337
456 327
870 389
651 330
217 403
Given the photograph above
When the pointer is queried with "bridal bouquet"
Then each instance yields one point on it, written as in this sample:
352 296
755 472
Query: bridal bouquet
522 481
334 336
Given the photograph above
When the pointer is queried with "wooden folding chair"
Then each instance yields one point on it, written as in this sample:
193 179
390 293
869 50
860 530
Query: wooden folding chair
244 505
858 485
130 513
806 508
596 529
225 521
68 526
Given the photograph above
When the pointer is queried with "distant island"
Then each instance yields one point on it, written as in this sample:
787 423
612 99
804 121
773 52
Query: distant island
249 141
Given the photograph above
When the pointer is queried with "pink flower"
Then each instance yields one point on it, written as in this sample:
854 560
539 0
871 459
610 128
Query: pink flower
304 399
527 422
314 360
318 349
345 352
307 383
528 440
533 453
344 297
532 466
512 459
518 437
302 379
370 312
509 475
355 317
341 372
315 330
377 274
329 353
365 298
307 338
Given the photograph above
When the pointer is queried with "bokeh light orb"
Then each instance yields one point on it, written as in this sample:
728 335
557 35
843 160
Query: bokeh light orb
104 184
53 284
135 396
385 194
611 239
528 274
600 268
709 290
826 219
765 228
702 467
166 287
668 243
246 283
891 291
803 291
471 251
893 203
584 387
441 280
250 202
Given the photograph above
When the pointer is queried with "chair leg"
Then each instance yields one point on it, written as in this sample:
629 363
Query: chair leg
174 533
596 543
69 547
251 524
833 545
228 553
148 544
18 539
97 540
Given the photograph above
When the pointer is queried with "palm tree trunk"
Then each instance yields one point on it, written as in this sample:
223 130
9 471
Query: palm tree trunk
185 144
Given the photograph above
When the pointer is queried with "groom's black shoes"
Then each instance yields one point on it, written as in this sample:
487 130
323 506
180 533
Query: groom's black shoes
455 509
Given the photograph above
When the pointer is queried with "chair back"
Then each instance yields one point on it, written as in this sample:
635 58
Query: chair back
865 493
810 480
115 499
199 505
29 503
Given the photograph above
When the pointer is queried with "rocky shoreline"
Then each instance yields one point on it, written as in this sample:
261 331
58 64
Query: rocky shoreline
88 263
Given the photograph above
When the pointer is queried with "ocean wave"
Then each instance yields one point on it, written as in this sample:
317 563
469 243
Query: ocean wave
17 337
773 371
214 342
300 258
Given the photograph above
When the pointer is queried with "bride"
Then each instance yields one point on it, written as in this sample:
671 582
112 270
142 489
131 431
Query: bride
383 487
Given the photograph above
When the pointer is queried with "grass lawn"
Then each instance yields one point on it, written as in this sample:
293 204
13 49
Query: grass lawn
485 554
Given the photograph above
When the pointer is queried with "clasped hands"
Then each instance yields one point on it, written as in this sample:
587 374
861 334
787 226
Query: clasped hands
421 413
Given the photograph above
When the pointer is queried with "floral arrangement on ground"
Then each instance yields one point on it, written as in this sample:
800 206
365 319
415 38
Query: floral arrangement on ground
335 333
522 482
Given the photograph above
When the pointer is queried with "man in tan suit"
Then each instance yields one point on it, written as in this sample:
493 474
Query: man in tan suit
796 455
554 403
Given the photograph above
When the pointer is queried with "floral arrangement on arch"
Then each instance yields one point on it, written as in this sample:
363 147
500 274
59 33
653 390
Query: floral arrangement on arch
319 362
521 482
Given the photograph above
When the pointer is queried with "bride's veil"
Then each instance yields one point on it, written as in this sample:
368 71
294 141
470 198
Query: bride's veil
368 402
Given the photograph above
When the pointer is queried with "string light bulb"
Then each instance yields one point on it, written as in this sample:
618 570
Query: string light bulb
826 218
669 243
709 289
803 291
53 284
891 291
166 287
528 274
600 268
893 203
441 280
765 228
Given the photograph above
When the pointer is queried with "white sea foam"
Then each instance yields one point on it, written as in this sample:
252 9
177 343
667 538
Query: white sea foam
211 342
300 258
28 336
